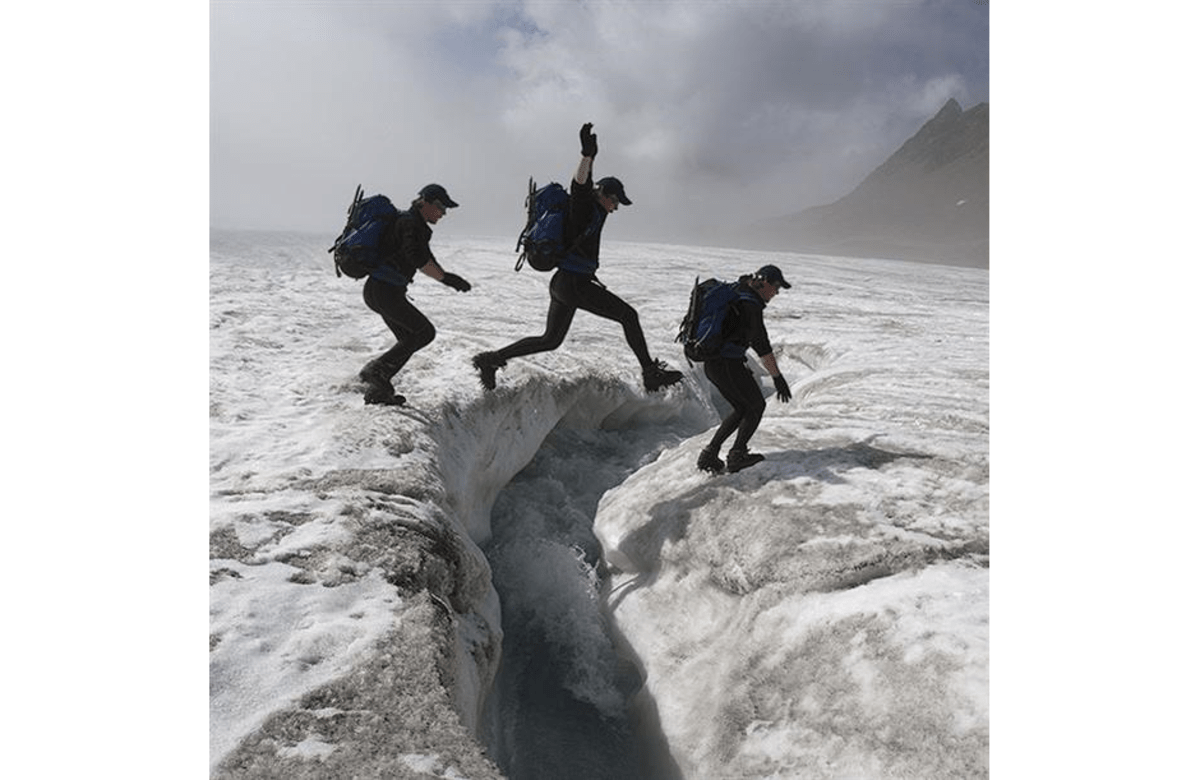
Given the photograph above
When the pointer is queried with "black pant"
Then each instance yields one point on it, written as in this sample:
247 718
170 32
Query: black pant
568 293
737 385
412 329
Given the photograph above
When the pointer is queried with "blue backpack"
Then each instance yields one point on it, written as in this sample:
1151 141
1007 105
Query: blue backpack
359 249
541 242
702 331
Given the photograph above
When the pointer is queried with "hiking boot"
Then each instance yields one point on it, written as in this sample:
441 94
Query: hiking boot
657 376
740 459
395 399
487 364
709 461
379 387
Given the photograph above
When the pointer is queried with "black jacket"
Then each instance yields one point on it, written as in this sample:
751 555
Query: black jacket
585 220
408 248
744 326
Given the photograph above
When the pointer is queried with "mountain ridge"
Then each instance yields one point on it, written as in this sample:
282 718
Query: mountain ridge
928 201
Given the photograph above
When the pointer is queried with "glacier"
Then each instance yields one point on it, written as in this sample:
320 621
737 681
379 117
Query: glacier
494 584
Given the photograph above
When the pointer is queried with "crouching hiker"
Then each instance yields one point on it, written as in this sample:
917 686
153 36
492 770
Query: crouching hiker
574 285
732 377
406 245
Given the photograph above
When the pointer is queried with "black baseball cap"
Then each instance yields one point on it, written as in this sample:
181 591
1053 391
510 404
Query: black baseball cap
432 192
612 186
772 274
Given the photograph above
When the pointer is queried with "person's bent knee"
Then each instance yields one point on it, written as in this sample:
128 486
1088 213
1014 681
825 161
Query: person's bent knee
749 406
424 337
553 338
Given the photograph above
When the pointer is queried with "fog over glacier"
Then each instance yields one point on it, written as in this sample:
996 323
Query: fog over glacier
573 598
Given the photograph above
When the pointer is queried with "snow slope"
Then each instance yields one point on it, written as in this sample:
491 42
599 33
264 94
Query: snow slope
823 613
828 609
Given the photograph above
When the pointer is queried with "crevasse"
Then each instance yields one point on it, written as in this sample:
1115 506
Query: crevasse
525 470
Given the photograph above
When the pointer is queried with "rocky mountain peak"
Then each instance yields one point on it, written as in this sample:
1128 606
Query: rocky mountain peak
928 201
950 135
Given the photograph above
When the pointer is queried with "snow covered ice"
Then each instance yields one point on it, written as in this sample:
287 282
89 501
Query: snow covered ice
538 582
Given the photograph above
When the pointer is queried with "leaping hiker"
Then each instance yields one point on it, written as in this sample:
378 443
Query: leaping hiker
405 250
574 285
743 328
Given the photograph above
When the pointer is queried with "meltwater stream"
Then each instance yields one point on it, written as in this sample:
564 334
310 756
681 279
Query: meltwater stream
559 703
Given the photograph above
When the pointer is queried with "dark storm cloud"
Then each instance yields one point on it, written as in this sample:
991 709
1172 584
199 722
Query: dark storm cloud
749 109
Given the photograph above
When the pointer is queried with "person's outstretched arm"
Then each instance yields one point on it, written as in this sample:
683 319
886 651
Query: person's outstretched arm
588 150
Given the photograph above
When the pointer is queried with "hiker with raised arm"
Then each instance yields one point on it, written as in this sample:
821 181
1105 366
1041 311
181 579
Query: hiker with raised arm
574 285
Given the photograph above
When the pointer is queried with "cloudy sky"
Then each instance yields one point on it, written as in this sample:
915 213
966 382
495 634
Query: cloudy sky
713 113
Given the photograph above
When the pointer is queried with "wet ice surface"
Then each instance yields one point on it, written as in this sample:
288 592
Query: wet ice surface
823 614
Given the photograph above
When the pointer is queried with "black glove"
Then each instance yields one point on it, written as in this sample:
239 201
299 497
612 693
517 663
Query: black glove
456 281
587 141
782 391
